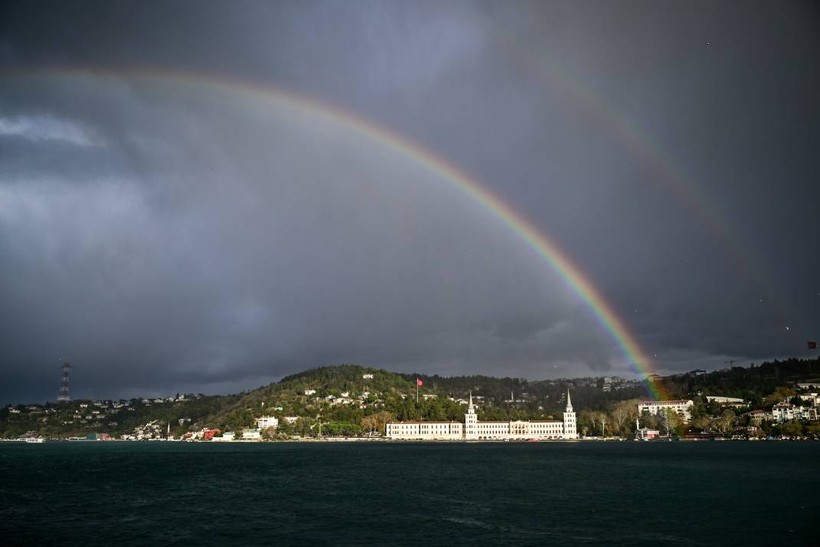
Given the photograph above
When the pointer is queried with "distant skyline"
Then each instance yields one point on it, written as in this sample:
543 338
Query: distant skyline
198 197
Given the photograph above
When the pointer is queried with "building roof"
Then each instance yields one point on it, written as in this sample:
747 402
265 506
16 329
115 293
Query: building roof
423 422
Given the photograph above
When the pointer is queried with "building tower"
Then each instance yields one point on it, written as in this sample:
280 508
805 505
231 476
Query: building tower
64 396
570 427
470 421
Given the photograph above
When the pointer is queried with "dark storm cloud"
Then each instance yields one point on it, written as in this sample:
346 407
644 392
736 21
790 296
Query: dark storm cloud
267 245
165 237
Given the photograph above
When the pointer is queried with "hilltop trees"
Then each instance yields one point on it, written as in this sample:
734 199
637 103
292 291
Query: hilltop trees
360 400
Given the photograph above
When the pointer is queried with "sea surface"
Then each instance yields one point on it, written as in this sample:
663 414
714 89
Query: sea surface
584 493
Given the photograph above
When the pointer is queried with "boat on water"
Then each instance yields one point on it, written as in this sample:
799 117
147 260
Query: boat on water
36 440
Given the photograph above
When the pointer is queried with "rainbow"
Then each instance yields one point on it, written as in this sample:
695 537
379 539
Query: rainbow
666 172
469 187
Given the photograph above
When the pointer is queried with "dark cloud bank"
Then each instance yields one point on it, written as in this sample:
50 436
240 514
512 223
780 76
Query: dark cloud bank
167 236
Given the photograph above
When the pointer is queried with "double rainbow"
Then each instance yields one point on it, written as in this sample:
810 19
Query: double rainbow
468 186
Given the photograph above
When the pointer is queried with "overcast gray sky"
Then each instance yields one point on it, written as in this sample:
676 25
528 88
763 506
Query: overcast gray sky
166 228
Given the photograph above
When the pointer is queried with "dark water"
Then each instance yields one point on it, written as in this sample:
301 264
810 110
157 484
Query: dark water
729 493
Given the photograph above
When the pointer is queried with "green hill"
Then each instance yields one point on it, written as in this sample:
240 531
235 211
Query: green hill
354 399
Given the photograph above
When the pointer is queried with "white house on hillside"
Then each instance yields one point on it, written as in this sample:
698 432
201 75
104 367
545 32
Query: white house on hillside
679 407
264 422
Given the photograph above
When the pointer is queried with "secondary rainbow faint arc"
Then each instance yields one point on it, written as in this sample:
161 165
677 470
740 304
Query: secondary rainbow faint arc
448 172
670 174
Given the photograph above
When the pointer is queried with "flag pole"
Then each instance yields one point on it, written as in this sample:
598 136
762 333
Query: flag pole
417 390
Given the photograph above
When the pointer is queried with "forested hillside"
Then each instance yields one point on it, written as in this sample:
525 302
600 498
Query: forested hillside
357 400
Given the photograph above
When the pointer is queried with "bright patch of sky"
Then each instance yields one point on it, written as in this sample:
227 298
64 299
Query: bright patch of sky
48 128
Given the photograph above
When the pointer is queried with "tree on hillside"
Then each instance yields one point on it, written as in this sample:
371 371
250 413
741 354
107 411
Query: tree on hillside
792 428
700 423
586 422
623 415
375 423
725 421
599 421
778 395
652 421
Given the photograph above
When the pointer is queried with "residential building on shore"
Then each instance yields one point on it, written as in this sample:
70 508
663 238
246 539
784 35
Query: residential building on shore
646 434
251 435
473 429
680 407
785 411
726 401
264 422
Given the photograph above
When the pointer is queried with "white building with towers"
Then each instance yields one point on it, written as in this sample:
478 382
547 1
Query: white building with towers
474 430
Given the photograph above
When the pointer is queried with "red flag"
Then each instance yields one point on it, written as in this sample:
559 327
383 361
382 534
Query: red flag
812 344
419 382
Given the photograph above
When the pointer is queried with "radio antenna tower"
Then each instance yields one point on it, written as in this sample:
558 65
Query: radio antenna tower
64 396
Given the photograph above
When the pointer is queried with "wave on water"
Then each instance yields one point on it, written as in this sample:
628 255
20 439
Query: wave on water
408 495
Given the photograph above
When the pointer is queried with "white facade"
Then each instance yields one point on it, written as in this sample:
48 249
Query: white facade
264 422
811 398
784 412
472 429
438 431
679 407
728 401
251 435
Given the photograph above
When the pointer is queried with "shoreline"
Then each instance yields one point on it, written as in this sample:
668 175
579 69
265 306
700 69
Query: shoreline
334 440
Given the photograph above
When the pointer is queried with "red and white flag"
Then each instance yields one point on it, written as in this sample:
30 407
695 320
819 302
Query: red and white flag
419 382
812 344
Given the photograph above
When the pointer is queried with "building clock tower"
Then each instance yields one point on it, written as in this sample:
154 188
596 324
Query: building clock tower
470 421
570 428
